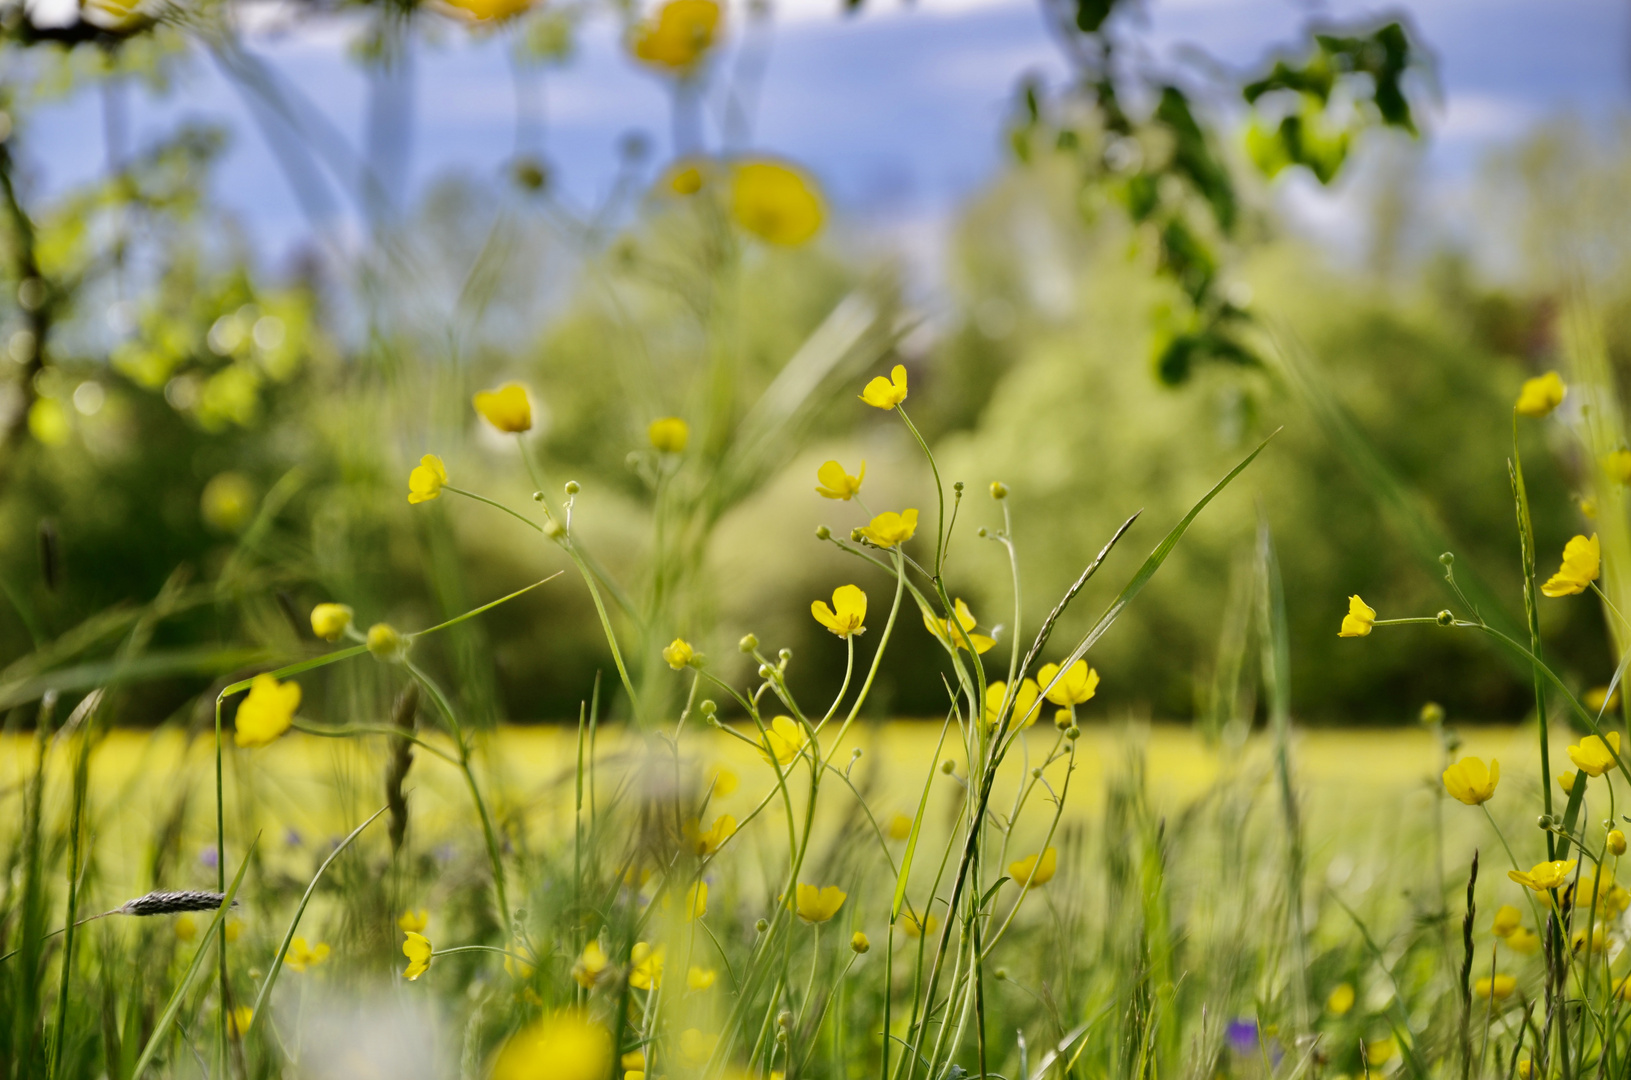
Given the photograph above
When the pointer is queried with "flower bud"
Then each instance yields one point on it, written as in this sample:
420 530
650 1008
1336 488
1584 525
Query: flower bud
855 536
860 942
1036 773
572 487
1447 558
329 621
948 766
958 487
784 654
855 754
538 496
1446 617
554 529
1616 842
385 643
708 707
781 1036
999 490
1544 821
1073 733
823 533
1432 714
784 1019
761 926
980 532
766 671
1001 974
748 643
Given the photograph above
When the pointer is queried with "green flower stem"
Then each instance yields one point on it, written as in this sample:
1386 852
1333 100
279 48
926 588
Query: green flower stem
481 948
372 729
843 688
459 738
939 491
877 657
1025 886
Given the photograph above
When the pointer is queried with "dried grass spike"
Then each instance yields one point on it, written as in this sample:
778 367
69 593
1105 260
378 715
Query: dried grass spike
170 903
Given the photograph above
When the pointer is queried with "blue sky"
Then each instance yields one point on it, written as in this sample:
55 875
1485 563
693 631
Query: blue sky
898 109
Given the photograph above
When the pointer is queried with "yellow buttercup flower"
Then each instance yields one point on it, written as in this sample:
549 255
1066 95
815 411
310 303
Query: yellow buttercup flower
890 528
646 966
916 927
708 842
1592 757
515 965
859 942
818 905
238 1021
847 613
1616 842
900 827
685 178
696 901
414 921
488 10
838 484
565 1045
1541 394
1544 876
783 740
1612 899
1582 561
1033 870
678 654
1025 703
697 1046
700 978
426 480
1523 940
1566 781
588 969
1077 686
680 35
723 780
942 629
302 956
1470 782
776 203
1598 699
266 711
669 435
329 621
1341 1000
185 927
882 393
1599 939
417 949
506 408
1500 987
1381 1051
1507 919
1359 620
232 930
1617 465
